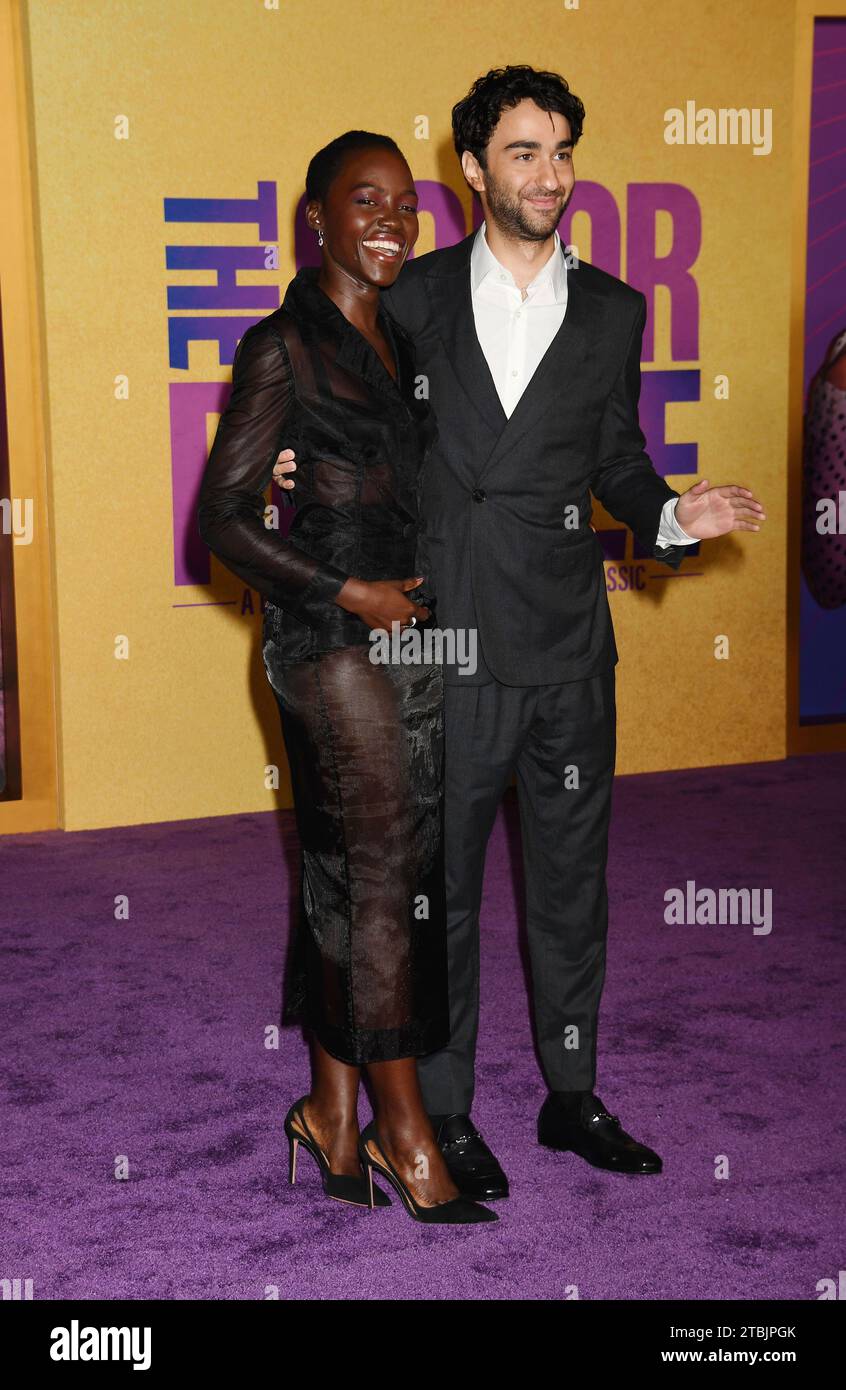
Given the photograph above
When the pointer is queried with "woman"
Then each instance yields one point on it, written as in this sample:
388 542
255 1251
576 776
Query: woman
823 561
330 376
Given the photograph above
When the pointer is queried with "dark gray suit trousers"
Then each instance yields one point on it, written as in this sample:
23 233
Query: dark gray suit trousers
560 741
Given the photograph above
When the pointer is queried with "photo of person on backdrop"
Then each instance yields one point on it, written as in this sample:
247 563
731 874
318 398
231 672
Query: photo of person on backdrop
824 478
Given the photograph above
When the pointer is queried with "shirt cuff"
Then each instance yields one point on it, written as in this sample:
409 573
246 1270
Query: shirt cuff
669 531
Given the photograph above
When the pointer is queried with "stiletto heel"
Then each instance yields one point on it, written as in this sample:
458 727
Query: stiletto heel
457 1211
370 1183
341 1187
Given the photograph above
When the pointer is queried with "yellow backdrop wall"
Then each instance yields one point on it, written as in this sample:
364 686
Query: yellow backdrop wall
135 106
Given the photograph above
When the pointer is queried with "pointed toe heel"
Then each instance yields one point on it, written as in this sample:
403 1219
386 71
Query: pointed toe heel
341 1187
459 1211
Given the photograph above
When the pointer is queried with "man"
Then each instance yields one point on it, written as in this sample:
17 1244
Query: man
533 372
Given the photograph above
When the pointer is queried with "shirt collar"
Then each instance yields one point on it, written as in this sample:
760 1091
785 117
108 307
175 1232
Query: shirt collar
483 263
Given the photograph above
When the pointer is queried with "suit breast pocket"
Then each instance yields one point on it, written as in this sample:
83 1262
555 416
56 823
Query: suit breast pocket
574 556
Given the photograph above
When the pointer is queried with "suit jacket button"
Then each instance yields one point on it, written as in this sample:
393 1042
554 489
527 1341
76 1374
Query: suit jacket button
479 494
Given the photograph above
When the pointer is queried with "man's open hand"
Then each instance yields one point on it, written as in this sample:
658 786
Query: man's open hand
704 512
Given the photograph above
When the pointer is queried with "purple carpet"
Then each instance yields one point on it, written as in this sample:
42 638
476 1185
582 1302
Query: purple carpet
143 1041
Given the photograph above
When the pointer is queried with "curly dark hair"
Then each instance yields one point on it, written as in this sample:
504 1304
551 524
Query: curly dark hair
328 162
476 116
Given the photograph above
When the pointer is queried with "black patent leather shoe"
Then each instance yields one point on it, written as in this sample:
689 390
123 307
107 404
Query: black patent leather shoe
598 1137
472 1166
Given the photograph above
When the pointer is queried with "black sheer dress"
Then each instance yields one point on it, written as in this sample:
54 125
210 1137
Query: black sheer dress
364 739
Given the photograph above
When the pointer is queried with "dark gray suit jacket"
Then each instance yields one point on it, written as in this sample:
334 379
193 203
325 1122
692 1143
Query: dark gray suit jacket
494 547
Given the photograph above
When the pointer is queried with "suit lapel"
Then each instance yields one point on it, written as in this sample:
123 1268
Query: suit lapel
452 304
556 376
555 379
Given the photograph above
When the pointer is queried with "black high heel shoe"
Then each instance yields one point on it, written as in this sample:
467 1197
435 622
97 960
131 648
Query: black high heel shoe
342 1187
457 1211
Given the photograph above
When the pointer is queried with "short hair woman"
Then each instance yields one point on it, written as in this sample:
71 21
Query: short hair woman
329 375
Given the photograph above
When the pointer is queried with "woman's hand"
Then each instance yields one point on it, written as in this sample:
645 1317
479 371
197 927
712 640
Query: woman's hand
380 602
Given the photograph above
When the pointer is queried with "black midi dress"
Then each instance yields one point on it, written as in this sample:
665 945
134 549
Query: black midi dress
363 737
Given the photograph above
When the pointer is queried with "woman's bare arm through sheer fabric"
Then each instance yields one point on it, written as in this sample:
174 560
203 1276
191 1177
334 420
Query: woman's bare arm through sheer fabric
231 503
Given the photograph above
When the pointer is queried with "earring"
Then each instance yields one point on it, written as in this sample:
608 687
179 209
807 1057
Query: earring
319 238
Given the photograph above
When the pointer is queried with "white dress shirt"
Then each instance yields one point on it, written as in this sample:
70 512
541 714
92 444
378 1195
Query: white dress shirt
515 329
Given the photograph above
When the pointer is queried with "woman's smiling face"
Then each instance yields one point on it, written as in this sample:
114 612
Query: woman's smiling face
369 216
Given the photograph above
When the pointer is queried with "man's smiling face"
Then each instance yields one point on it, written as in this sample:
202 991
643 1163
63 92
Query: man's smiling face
528 178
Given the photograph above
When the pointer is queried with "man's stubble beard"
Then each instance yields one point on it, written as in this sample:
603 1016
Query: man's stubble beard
507 211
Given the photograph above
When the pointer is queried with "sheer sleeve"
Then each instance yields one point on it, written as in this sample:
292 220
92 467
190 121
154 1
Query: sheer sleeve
230 512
